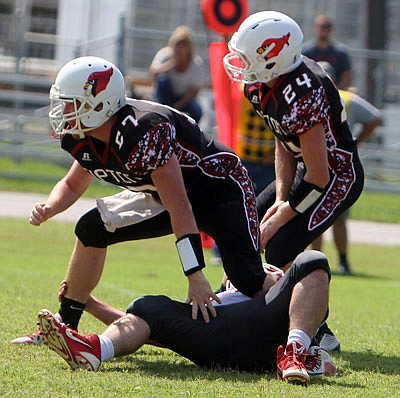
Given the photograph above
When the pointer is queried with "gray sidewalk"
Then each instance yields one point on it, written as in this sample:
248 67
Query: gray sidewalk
19 205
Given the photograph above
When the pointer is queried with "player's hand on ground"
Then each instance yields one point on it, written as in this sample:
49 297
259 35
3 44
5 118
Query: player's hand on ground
39 214
200 295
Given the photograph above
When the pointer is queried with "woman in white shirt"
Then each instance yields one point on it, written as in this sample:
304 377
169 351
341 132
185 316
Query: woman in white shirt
178 74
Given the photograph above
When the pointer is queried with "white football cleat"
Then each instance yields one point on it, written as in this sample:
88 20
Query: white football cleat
35 338
319 363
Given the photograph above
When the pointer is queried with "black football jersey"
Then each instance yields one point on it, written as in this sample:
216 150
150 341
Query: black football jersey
298 101
144 137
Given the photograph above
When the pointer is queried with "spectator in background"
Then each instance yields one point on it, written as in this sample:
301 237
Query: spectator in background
363 118
178 74
130 88
322 48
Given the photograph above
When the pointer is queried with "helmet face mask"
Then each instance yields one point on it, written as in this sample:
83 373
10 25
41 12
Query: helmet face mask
86 93
66 114
266 45
240 68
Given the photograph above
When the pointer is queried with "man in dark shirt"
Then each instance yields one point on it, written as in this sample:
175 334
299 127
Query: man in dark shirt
322 48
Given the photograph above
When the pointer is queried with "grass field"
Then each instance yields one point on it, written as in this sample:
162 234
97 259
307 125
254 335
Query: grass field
34 176
365 315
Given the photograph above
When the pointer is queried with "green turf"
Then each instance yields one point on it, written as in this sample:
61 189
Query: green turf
377 206
365 315
38 176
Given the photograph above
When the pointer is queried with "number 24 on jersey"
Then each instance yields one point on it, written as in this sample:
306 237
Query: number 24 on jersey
289 93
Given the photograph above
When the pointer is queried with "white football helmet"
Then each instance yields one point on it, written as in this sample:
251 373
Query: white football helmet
266 45
86 93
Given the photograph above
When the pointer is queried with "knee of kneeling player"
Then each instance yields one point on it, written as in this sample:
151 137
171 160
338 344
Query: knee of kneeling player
91 232
309 261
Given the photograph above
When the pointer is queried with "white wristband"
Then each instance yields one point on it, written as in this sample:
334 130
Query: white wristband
190 253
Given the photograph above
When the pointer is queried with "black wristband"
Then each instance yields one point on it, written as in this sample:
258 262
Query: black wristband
304 196
190 253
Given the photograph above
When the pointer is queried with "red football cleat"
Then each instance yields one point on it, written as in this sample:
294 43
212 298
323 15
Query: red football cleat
290 364
78 350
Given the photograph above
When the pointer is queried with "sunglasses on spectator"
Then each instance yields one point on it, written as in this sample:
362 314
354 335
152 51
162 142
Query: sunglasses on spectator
324 25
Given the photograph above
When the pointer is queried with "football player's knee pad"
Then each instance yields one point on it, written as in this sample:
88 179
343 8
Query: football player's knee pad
135 307
307 262
311 260
90 230
147 306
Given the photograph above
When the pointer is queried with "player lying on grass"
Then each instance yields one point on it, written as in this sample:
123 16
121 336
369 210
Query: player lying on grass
249 335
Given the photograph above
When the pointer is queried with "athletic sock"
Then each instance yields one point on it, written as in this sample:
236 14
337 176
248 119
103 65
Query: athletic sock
299 336
106 348
71 312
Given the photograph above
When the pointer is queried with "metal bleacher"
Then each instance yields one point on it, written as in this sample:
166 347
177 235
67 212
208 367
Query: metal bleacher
20 90
24 127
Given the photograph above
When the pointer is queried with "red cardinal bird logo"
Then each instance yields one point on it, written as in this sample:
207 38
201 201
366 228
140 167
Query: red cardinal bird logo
279 44
98 81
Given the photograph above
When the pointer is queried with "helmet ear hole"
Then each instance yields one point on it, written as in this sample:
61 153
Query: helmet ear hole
99 107
270 65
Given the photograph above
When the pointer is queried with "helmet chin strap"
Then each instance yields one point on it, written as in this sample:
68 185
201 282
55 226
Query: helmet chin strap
82 129
79 132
